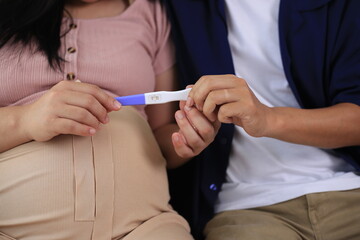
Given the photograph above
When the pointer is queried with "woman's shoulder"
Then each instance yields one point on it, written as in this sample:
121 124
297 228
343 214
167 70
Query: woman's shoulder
153 7
150 12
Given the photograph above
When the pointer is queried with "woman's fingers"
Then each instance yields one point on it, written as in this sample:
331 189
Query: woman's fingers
88 102
180 145
196 132
200 123
69 108
104 99
193 139
68 126
108 102
80 115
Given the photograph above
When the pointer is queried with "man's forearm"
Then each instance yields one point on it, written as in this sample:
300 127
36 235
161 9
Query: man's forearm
332 127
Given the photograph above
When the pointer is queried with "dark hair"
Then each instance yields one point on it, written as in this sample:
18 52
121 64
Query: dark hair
33 22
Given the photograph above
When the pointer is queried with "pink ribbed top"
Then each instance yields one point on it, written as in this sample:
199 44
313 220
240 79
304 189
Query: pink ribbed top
120 54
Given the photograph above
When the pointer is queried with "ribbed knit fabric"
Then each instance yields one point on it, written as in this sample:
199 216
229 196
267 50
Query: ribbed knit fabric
112 185
120 54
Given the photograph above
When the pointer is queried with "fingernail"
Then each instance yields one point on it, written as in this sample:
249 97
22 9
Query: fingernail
197 107
187 108
106 119
92 131
184 139
189 102
176 138
116 104
179 115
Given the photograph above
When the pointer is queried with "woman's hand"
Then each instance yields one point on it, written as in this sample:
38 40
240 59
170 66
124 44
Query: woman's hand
68 108
229 99
195 133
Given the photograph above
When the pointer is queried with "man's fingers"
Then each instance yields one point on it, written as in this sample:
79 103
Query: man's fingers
206 84
228 112
217 98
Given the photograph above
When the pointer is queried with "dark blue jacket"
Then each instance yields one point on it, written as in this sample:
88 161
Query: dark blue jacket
320 49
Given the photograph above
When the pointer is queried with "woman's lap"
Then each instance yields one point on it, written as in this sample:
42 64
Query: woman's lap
99 187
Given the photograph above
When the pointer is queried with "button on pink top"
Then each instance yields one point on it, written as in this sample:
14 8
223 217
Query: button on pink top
120 54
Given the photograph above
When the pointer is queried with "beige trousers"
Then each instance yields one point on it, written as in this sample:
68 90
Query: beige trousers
318 216
109 186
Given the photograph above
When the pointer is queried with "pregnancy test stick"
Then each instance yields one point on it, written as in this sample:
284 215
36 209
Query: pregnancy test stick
154 97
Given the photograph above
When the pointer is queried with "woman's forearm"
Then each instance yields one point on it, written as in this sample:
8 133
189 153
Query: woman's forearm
11 128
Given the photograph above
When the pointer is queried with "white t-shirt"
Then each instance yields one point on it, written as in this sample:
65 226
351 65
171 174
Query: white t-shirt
265 171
